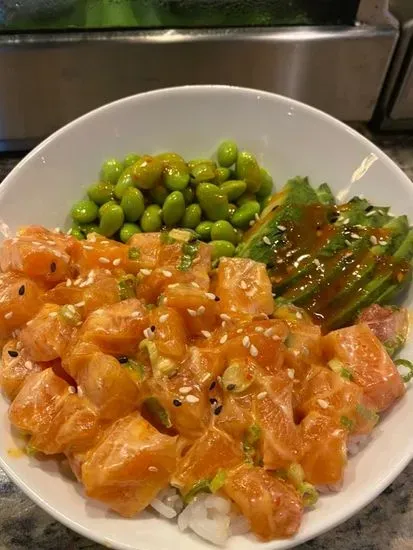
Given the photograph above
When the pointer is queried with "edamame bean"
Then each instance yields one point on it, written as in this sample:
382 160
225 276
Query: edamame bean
87 228
176 176
264 203
246 197
227 153
195 162
222 248
125 181
203 230
222 174
133 204
223 231
111 220
84 211
170 158
192 216
203 172
76 232
213 201
151 220
188 194
105 206
147 172
245 214
247 169
231 209
240 234
159 194
130 159
128 230
267 185
101 192
173 208
110 171
233 189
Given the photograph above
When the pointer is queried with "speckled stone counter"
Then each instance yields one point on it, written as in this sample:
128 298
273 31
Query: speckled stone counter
386 524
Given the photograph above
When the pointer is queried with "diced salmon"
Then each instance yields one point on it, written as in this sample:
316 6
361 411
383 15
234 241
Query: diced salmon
244 286
170 332
149 247
48 335
324 449
117 329
273 508
15 368
212 452
130 465
389 324
20 300
303 347
364 356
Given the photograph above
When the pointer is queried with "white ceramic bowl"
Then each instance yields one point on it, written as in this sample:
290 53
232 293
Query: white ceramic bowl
289 138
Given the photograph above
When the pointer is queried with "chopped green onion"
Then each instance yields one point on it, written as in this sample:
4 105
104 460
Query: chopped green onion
295 474
30 450
134 253
250 443
127 287
202 486
70 315
218 481
189 253
165 238
408 365
136 368
308 493
156 409
346 422
366 413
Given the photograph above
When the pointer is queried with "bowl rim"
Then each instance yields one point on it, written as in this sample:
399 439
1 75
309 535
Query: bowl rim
397 468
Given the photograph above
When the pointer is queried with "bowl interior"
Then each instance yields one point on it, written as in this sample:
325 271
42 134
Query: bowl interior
289 139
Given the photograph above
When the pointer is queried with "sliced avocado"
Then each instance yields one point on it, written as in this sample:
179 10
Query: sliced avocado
325 195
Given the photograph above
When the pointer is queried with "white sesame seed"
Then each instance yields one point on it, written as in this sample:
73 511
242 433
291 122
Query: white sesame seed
268 332
252 222
29 322
134 314
281 227
166 273
200 310
266 240
57 230
163 317
346 221
205 377
116 262
225 317
87 247
107 271
347 242
71 308
104 242
323 404
373 240
185 389
8 315
100 311
192 399
152 469
250 293
104 260
383 243
53 314
194 284
355 236
206 333
145 271
80 304
36 243
279 261
299 315
68 282
291 373
260 329
239 330
246 342
253 351
262 395
91 238
210 295
316 262
191 312
148 333
79 391
243 285
77 282
72 389
223 339
256 216
371 213
173 285
28 364
275 337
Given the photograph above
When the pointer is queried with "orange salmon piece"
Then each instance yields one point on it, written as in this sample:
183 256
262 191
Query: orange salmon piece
15 368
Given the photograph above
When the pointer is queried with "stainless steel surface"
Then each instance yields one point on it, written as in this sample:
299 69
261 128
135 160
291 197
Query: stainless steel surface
48 79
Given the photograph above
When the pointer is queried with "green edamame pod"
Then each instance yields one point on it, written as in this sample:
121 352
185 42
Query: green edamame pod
173 208
203 172
111 220
246 197
125 181
192 216
267 185
247 169
213 201
233 189
101 192
151 220
188 194
221 249
231 209
203 230
147 172
111 170
130 159
176 176
133 204
84 211
128 230
222 174
159 194
223 231
227 153
245 214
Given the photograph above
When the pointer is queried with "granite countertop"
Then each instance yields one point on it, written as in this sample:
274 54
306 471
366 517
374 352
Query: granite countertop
386 524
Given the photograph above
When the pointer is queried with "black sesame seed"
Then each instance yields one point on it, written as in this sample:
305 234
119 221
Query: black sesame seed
217 298
13 353
177 403
212 386
231 387
123 359
22 290
369 208
53 267
218 410
153 328
213 401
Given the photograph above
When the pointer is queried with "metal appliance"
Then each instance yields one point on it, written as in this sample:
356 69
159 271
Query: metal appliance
333 55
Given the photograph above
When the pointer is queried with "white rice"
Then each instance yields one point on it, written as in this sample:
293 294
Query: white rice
356 443
209 516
